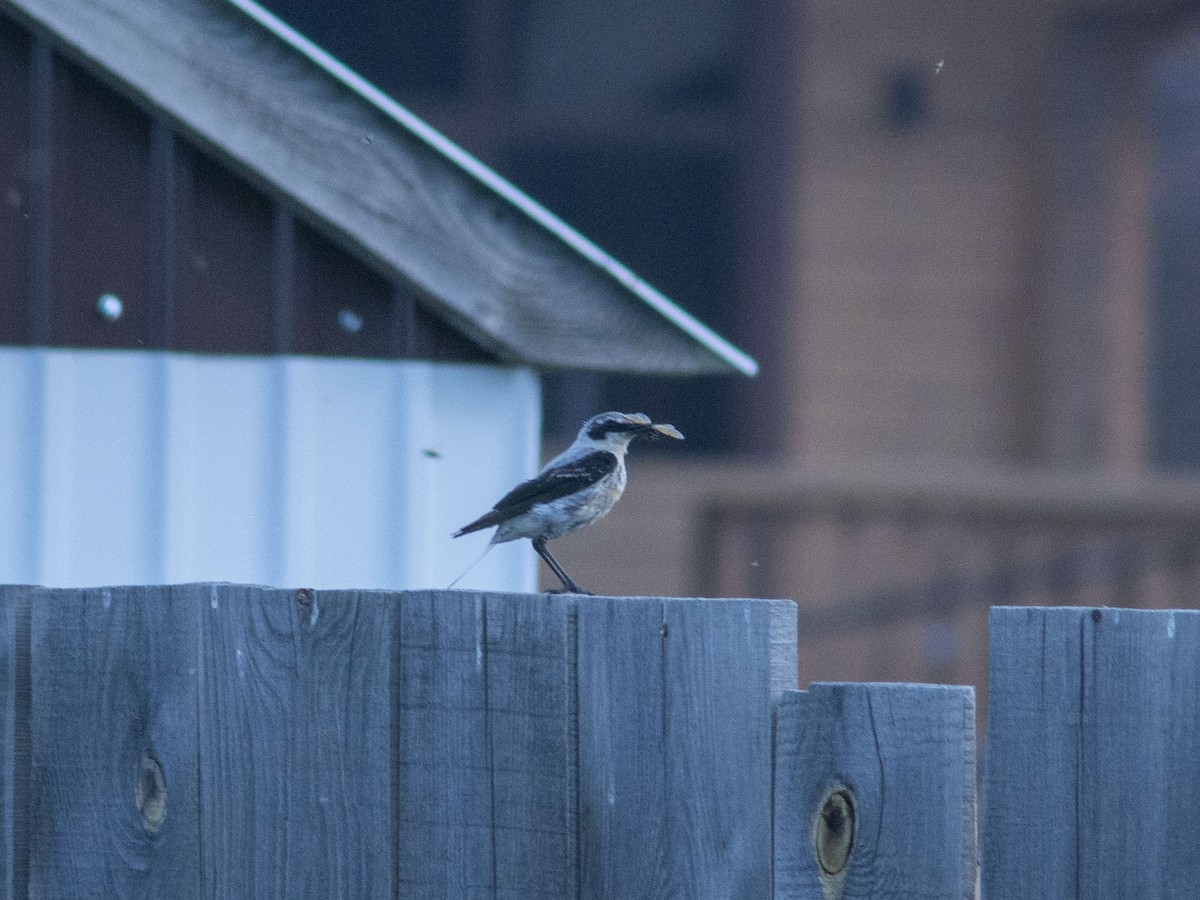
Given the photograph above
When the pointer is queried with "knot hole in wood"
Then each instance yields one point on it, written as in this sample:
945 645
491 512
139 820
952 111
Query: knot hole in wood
834 838
151 792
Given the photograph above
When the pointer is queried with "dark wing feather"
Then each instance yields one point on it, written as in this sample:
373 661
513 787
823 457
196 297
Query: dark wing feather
545 488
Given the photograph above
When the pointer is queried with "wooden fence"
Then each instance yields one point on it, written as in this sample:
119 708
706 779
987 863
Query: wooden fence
232 741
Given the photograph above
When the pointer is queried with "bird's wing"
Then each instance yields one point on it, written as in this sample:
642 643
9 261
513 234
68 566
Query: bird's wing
552 484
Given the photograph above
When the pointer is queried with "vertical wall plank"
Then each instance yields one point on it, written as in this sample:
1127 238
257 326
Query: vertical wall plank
16 112
114 787
904 755
1091 781
14 741
101 214
671 803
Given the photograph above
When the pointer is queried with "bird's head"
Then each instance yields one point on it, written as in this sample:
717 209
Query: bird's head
614 430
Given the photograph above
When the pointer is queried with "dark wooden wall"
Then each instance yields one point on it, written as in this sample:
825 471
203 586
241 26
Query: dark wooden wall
99 196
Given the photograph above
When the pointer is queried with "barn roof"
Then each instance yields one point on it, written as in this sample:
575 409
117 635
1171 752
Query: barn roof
484 256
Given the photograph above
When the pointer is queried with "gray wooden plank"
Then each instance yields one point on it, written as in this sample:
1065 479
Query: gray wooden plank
785 661
1091 782
625 833
14 740
342 791
114 782
530 708
904 755
721 668
443 765
247 665
674 746
295 743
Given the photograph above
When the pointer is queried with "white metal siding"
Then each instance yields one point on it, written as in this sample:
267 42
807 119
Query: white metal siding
131 467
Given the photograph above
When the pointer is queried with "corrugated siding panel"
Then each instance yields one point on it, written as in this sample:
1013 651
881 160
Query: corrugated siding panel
126 467
101 465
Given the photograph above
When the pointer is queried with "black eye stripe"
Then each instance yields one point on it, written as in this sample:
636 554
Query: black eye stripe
600 429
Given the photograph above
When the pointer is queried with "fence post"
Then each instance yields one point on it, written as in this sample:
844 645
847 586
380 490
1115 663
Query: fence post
1091 780
875 792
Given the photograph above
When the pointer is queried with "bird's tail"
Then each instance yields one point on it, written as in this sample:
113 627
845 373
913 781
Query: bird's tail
478 560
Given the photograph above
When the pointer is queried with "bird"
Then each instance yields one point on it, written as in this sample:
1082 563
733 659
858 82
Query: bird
576 488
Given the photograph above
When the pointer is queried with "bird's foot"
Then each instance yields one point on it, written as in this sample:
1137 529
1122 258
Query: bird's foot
574 589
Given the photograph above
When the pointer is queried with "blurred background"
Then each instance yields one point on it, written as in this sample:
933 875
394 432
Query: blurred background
960 238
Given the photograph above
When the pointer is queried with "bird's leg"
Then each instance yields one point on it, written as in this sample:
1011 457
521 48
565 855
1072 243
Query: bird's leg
568 585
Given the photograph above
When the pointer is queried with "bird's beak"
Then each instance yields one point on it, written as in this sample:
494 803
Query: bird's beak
666 431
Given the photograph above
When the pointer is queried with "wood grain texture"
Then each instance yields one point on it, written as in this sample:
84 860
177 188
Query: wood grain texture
14 741
531 711
444 841
674 747
295 743
905 754
233 741
1091 781
785 643
484 754
113 718
482 260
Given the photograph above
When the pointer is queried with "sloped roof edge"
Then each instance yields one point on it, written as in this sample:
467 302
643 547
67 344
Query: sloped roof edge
638 286
509 273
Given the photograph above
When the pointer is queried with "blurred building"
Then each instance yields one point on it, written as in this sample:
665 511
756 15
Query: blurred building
960 239
988 351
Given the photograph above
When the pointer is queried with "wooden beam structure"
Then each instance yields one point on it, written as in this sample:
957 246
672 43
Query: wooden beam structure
481 254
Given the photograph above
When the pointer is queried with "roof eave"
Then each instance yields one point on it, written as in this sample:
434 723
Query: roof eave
484 254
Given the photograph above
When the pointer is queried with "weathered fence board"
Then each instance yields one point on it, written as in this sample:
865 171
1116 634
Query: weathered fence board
1093 755
674 746
532 712
622 749
14 741
875 792
294 742
223 740
484 719
112 717
445 799
719 707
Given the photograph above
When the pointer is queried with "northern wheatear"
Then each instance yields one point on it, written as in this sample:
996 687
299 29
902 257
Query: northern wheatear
576 488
